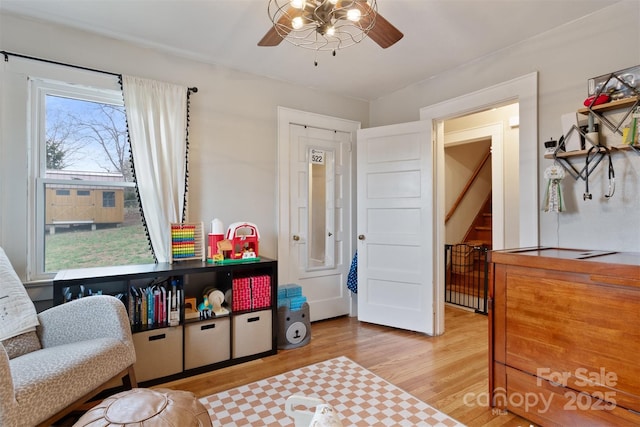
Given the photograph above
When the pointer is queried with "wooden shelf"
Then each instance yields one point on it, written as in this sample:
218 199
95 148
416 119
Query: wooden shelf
613 105
563 158
578 153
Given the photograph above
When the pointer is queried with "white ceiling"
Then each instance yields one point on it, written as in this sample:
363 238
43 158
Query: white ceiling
439 35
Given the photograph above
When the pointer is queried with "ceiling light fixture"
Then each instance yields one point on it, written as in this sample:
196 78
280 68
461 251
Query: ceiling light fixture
321 24
328 24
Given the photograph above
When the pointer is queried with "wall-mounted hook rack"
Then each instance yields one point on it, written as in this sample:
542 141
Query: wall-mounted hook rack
592 157
563 158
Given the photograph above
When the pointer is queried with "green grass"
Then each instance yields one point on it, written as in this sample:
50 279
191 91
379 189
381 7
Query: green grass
124 245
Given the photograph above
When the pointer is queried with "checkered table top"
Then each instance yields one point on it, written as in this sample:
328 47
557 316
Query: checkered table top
359 396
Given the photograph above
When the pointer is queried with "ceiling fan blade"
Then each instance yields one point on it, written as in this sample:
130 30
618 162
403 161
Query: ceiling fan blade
383 32
273 36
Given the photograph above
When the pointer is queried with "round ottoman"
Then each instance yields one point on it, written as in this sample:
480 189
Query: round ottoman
147 407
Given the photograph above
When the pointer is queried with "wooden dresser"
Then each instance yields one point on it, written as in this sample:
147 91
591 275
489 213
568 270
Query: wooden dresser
564 335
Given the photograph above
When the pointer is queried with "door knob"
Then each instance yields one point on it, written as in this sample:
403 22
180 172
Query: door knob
296 237
361 237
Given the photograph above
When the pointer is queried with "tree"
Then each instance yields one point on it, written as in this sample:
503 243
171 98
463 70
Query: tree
106 127
59 140
88 136
55 155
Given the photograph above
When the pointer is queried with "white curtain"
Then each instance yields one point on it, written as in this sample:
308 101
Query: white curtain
157 121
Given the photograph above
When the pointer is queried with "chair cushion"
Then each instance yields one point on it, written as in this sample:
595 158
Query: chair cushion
48 380
17 312
22 344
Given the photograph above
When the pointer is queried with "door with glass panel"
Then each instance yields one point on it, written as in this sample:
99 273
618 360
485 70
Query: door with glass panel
320 218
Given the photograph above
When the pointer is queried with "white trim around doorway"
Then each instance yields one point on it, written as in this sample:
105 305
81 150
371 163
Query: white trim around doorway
523 90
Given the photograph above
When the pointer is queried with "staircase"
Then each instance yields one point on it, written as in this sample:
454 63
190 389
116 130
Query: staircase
480 232
466 277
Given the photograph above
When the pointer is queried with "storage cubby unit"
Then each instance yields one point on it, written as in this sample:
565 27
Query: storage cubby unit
169 344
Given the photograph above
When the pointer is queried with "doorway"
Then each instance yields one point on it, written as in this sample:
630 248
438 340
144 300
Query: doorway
523 197
316 208
466 140
475 146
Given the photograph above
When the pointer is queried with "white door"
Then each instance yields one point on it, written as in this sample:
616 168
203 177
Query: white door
395 226
320 218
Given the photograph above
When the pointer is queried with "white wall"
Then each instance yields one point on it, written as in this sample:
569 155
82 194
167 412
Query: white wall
460 163
233 130
233 122
565 59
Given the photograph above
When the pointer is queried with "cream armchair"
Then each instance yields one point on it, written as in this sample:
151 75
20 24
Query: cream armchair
86 348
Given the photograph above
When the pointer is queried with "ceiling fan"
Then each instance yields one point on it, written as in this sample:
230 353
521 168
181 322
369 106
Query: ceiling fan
328 24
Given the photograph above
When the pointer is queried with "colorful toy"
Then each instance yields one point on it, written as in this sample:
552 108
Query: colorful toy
216 235
244 238
216 298
205 308
191 309
187 242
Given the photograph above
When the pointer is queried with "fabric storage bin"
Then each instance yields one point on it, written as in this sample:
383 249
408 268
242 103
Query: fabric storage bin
252 333
207 342
158 353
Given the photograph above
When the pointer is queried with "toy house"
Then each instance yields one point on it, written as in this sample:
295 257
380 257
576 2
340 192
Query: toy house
244 238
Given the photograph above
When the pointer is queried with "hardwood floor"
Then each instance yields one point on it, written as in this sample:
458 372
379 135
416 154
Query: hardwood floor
449 372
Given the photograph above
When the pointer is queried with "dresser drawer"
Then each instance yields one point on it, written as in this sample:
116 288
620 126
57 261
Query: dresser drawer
551 404
564 324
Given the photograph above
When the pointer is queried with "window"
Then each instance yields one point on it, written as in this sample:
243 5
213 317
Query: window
87 211
108 199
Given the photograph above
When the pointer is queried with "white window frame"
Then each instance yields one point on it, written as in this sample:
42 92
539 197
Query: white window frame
39 89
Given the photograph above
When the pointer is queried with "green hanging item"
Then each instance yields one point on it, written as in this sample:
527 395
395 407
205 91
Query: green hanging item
553 200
